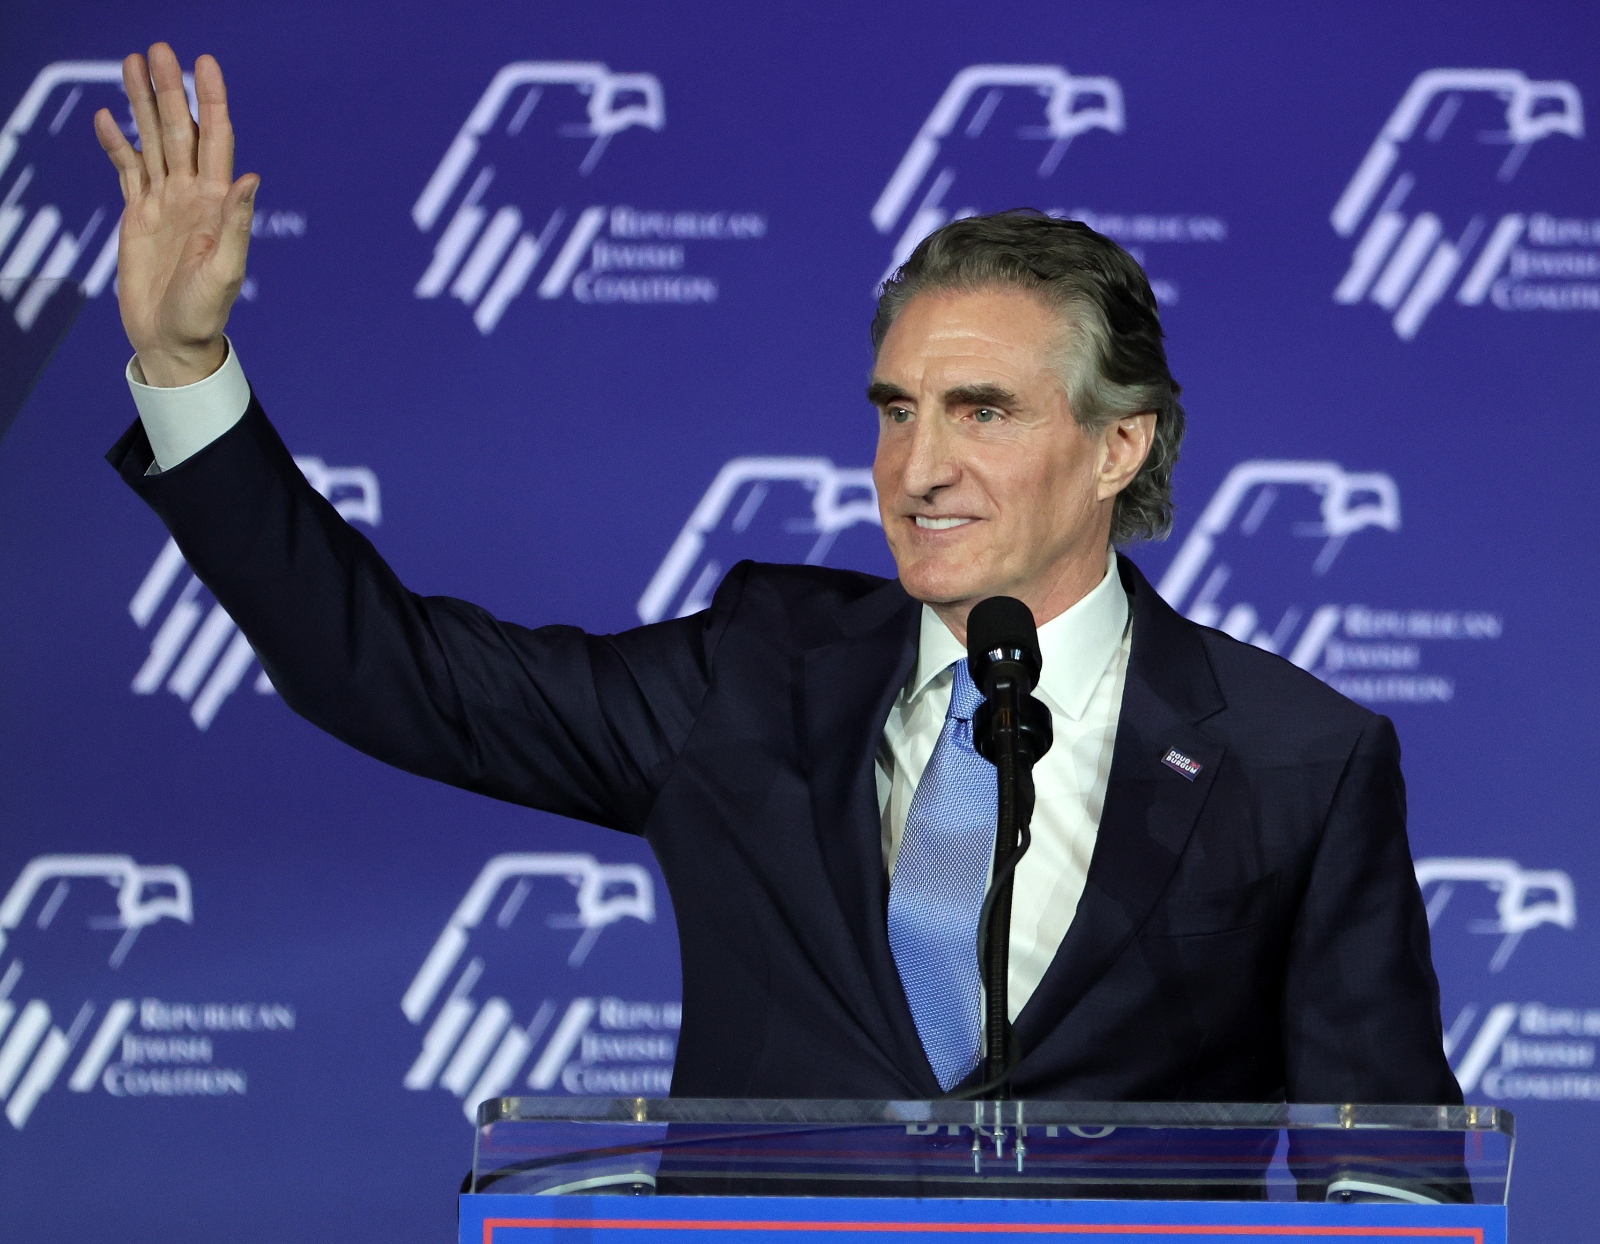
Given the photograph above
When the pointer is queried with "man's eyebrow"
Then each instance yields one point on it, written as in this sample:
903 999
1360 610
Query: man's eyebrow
881 391
979 395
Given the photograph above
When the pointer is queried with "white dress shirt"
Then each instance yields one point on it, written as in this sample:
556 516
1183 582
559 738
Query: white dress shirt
1085 653
182 421
1085 661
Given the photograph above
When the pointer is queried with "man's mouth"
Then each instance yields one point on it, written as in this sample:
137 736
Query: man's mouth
941 524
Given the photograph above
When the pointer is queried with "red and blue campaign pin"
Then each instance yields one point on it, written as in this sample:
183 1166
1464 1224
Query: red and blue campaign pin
1179 763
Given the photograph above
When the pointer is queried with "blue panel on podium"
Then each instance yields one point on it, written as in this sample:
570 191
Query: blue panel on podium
494 1219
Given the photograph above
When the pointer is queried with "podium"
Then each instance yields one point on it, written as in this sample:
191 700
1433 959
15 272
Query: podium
647 1171
35 315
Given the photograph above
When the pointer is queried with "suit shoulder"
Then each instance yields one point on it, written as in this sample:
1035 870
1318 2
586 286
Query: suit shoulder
1258 682
807 588
801 605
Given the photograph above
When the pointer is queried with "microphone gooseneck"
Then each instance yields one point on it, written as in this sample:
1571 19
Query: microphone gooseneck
1012 731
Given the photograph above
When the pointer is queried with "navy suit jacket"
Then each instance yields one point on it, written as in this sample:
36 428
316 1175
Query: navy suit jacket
1254 933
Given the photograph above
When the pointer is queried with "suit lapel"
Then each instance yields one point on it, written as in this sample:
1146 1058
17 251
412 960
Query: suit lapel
1150 808
849 687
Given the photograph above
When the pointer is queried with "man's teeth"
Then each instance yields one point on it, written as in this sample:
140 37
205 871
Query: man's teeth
940 524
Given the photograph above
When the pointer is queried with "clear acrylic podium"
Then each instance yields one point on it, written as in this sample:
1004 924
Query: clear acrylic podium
643 1171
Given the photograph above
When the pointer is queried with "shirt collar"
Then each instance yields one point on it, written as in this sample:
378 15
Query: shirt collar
1076 646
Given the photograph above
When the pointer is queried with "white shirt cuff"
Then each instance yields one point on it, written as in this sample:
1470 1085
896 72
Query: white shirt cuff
180 422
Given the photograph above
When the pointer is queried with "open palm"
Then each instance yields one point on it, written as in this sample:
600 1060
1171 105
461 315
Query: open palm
186 222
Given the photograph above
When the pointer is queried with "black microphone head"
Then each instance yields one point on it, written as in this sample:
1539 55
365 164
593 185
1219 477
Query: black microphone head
1001 629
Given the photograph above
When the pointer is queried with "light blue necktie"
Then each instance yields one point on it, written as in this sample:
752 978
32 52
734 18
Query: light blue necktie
937 891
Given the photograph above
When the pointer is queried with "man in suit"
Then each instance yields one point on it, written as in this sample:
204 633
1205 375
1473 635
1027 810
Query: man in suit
1219 903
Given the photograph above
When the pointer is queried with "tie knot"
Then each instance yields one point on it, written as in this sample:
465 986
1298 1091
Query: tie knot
964 694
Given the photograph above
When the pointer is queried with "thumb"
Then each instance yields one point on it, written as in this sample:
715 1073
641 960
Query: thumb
238 214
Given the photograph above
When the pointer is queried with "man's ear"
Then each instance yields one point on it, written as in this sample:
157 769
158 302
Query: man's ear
1125 444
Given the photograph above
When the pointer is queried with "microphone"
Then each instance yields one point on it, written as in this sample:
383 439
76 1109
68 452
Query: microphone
1012 731
1003 659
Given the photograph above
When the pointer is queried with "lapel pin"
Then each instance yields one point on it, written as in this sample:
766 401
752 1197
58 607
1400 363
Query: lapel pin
1181 764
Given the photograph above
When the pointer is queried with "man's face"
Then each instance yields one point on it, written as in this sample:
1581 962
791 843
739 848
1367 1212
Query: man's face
986 483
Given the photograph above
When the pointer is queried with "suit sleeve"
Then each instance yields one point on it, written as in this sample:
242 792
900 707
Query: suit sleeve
581 725
1361 1001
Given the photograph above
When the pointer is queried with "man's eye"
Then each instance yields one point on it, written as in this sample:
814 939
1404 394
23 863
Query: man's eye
985 414
898 414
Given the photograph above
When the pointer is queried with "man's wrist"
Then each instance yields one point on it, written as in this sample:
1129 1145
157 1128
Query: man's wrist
181 420
166 369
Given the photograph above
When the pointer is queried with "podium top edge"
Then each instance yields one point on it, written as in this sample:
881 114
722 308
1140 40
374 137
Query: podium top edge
1086 1114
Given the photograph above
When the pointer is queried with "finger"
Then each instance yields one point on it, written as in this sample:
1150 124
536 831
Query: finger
238 212
130 168
215 162
177 126
136 81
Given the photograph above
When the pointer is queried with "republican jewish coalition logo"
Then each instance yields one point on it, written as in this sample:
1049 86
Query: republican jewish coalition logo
766 509
514 199
1506 1051
1524 899
197 652
1267 563
59 204
56 922
999 137
583 1044
1458 198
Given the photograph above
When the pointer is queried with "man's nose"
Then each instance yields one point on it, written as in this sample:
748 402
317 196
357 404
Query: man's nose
931 463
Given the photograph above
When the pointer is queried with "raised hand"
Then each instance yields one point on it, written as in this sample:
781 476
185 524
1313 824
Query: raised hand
185 223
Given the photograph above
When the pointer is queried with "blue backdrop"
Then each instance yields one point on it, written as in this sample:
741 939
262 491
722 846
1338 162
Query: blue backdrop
568 306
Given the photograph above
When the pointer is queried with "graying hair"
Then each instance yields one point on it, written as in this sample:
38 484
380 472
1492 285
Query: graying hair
1113 365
